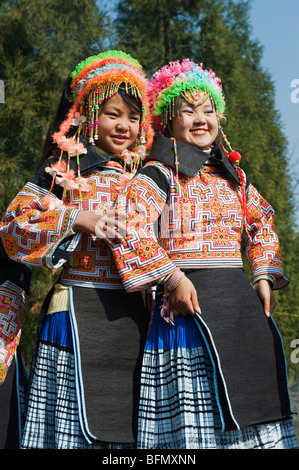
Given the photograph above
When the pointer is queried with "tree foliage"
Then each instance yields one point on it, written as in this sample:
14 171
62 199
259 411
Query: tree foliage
41 41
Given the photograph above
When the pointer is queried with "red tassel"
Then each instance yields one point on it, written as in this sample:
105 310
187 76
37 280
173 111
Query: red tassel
234 157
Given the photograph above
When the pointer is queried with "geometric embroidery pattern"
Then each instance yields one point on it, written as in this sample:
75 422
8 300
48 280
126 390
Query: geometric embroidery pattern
13 307
200 225
32 234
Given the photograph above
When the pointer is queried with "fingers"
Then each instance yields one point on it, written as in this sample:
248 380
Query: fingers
267 309
111 226
266 296
183 299
194 300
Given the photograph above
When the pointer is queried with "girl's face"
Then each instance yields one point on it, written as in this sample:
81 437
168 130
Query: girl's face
118 126
196 124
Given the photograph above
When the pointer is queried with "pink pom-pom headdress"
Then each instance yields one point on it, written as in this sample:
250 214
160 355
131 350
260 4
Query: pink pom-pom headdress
177 78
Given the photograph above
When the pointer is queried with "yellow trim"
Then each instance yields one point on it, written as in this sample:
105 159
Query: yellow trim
60 299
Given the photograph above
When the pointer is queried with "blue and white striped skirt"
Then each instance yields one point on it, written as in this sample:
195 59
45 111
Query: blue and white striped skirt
178 406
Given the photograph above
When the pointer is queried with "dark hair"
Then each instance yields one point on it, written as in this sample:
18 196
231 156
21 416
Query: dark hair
65 105
61 114
131 100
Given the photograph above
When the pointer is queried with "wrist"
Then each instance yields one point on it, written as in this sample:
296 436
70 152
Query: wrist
265 277
174 280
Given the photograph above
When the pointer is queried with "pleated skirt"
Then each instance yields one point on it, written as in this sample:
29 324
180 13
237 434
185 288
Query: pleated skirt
186 385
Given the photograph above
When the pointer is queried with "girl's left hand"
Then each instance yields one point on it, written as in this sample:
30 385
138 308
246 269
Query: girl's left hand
265 293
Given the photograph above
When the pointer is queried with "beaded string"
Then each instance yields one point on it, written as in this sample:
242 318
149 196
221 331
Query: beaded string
176 161
96 116
235 158
168 113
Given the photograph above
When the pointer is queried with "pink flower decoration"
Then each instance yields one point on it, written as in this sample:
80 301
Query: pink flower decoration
51 203
78 119
57 168
67 180
123 180
76 149
83 184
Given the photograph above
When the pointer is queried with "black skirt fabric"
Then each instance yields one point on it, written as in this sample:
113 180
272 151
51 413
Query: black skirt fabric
9 419
112 327
245 348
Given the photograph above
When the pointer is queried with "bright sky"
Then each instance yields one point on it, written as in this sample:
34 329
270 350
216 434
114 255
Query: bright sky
275 26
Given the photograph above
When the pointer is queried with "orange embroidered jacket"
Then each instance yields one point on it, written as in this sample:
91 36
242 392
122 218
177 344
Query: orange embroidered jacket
193 219
35 234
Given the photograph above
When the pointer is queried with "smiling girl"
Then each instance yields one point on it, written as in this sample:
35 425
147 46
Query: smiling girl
85 373
213 372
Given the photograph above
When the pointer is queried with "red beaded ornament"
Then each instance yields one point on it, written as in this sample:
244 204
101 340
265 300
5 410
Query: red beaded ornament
234 157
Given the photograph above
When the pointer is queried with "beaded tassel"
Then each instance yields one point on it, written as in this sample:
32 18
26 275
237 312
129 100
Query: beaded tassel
96 122
90 118
235 158
176 161
97 97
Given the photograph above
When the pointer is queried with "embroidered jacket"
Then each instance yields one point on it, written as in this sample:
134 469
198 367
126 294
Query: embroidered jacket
34 235
14 289
193 219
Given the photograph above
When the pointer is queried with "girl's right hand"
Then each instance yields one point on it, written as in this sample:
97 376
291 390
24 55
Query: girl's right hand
183 299
108 225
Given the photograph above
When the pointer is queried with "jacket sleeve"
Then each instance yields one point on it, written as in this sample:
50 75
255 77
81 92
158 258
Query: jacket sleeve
14 290
140 259
263 248
31 231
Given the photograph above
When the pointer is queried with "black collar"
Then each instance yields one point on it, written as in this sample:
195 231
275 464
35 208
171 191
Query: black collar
90 160
190 158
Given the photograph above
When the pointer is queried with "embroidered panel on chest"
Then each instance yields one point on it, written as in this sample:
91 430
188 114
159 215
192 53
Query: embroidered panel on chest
202 204
143 204
104 188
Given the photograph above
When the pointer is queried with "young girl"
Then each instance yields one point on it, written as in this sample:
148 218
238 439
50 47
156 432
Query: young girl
213 372
84 383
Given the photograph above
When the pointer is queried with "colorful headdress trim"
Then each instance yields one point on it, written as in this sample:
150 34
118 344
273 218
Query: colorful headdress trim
177 78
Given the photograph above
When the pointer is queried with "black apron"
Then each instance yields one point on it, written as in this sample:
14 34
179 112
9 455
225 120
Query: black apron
245 348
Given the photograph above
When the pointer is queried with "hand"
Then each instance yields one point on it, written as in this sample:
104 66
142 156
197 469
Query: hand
265 293
103 224
183 299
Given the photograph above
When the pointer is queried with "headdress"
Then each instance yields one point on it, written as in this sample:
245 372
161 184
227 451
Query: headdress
94 80
98 78
176 79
